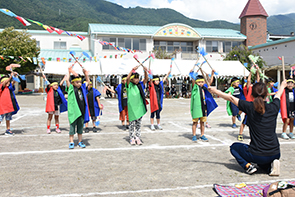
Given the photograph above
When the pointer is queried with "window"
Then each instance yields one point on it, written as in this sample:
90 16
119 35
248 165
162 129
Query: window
128 43
135 44
226 47
110 40
30 79
142 44
170 46
121 42
38 44
211 46
60 45
236 44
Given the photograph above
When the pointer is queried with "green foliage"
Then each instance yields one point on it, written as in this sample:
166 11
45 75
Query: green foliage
15 44
241 53
162 54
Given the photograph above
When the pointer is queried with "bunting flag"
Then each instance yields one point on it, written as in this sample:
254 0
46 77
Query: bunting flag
59 31
40 24
21 19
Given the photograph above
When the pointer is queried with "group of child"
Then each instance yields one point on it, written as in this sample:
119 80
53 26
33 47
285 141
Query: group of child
83 103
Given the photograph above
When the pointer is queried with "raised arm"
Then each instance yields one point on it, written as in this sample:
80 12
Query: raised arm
166 76
257 75
86 77
281 90
68 78
225 96
211 78
111 90
146 77
62 81
130 73
13 74
249 80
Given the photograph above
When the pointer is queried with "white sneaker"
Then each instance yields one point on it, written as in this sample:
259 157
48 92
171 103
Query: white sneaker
291 135
285 136
275 168
153 127
159 127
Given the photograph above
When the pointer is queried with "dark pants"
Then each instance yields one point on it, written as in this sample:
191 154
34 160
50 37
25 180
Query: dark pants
157 114
243 156
234 109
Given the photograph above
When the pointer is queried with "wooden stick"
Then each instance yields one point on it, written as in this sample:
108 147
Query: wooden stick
283 66
207 62
205 77
196 63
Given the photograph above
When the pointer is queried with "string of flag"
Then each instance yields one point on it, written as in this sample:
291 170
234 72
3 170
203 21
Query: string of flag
50 29
118 48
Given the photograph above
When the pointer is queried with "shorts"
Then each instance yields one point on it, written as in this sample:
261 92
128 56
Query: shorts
7 116
56 112
123 114
77 125
245 120
202 119
93 118
157 114
234 109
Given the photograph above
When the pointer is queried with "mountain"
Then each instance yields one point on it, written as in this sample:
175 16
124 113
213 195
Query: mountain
75 15
281 24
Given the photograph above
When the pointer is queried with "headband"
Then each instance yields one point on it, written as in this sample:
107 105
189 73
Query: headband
124 78
5 78
89 82
156 79
76 79
54 83
289 80
234 82
200 80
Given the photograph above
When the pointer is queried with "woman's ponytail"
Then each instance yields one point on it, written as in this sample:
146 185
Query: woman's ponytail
259 92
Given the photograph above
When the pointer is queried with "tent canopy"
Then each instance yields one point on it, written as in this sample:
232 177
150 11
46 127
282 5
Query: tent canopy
158 66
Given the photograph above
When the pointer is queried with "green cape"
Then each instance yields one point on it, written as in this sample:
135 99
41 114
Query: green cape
228 109
269 98
196 103
73 107
136 108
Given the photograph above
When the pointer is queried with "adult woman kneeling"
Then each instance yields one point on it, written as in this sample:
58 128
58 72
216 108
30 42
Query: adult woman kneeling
264 148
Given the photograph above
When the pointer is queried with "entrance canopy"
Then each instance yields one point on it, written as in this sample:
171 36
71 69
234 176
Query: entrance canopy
158 67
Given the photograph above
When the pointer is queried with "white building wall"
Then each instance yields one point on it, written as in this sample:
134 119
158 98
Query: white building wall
271 53
47 41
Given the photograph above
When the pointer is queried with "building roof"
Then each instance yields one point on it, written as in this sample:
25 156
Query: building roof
273 43
46 32
60 53
141 30
253 8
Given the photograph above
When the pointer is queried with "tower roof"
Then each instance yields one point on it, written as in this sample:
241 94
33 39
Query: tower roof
253 8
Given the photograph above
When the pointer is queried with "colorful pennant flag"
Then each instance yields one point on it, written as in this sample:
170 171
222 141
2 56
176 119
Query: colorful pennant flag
8 12
59 31
40 24
23 21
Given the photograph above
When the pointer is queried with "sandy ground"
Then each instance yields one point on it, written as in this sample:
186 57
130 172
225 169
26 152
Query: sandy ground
34 163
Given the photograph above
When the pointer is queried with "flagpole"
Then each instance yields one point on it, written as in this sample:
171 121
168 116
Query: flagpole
283 67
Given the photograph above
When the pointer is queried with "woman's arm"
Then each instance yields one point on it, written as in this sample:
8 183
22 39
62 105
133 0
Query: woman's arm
225 96
281 90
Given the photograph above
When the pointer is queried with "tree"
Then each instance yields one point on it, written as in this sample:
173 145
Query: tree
242 53
162 54
13 46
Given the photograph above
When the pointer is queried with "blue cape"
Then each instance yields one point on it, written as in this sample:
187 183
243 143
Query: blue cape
64 105
210 102
119 92
12 88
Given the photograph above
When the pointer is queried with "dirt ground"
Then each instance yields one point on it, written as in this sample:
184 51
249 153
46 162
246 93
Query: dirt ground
34 163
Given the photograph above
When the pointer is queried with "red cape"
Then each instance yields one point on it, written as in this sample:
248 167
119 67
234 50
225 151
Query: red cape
284 114
5 100
50 100
153 97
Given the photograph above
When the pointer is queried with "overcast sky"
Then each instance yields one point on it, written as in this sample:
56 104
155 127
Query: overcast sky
209 10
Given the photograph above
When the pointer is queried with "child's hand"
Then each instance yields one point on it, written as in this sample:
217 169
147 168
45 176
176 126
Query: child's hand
100 106
14 73
213 71
169 72
135 68
284 83
192 70
212 89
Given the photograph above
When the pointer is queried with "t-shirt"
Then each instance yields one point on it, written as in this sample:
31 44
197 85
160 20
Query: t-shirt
236 93
57 99
124 96
80 99
264 140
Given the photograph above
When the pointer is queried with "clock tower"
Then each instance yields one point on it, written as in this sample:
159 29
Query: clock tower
254 23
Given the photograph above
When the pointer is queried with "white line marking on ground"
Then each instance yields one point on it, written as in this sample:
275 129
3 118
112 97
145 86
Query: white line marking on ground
160 189
151 147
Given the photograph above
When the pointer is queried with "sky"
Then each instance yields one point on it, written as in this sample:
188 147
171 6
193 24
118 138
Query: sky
209 10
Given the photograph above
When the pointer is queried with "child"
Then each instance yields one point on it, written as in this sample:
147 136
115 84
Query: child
288 109
78 113
122 101
94 105
9 105
271 90
156 89
237 91
136 104
202 104
55 104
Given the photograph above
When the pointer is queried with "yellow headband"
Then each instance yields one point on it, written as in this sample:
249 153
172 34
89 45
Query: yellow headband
125 78
156 79
54 83
4 79
234 81
89 82
76 79
200 80
289 80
